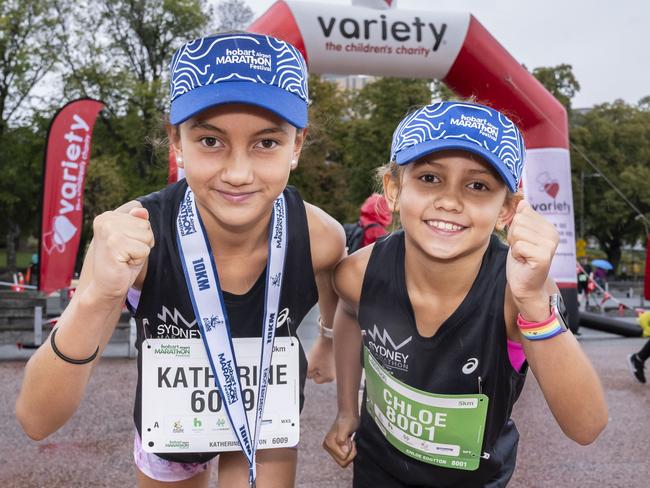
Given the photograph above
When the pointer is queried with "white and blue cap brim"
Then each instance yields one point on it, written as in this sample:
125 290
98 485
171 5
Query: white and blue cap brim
413 153
280 102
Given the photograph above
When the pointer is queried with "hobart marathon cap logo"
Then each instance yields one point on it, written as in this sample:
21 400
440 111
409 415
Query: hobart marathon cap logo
256 60
382 343
485 128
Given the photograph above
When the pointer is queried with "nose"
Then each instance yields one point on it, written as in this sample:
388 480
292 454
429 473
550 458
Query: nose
238 170
448 198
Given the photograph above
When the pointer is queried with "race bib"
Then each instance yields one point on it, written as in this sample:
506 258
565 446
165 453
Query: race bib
182 410
445 430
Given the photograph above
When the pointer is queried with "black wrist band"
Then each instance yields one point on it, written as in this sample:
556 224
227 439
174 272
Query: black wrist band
66 358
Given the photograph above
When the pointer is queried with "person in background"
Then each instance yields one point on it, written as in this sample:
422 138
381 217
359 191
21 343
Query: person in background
375 218
636 361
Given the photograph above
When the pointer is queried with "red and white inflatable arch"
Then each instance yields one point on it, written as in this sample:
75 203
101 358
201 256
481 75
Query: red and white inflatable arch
457 49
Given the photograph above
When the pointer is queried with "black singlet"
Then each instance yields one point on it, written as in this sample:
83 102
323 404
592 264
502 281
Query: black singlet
165 310
475 332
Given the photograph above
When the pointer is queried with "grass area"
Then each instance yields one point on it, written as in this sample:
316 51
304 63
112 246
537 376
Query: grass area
23 259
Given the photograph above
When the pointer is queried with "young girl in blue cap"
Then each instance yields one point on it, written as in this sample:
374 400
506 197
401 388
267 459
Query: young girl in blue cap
230 252
451 317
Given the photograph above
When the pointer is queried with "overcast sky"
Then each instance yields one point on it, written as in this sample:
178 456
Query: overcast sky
607 42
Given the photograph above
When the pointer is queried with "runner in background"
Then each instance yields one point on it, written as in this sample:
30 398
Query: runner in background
238 117
452 317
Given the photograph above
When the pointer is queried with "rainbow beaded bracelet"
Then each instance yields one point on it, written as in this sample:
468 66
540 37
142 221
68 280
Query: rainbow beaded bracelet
538 331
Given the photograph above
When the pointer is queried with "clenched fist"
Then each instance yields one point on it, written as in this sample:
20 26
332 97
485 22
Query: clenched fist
533 241
121 246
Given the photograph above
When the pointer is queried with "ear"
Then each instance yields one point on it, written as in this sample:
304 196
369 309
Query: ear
174 136
508 210
301 135
391 192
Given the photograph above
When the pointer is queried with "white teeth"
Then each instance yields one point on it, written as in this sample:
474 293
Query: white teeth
448 226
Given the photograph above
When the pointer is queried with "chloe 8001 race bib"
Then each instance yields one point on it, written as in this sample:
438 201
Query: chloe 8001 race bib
182 410
444 430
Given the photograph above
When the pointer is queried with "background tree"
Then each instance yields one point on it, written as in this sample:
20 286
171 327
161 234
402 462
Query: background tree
233 15
560 81
320 176
375 111
616 138
119 51
27 54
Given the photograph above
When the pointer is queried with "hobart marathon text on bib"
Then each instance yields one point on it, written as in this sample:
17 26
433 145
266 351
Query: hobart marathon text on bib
182 410
444 430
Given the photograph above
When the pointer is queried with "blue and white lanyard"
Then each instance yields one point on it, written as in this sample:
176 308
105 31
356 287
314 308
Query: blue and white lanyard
212 318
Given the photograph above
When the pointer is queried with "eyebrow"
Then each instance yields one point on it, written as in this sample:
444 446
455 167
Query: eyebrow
481 171
207 126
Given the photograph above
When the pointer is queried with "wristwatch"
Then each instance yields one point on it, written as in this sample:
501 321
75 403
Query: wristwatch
558 308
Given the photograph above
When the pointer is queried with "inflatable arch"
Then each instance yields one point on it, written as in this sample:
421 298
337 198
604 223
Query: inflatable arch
457 49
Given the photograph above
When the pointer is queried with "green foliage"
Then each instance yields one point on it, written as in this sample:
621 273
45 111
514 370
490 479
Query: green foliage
119 51
375 112
27 54
21 153
320 175
616 138
560 81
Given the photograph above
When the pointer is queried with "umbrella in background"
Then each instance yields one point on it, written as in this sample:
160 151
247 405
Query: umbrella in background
602 263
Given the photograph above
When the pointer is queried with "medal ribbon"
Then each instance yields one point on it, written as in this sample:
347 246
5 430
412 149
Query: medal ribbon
212 318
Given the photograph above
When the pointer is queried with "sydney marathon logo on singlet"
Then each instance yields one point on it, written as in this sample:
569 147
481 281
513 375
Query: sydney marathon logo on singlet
382 344
170 324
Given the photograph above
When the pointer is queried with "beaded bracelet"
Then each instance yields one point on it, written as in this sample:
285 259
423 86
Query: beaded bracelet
66 358
538 331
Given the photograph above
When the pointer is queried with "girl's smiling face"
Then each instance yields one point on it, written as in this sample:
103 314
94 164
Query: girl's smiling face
237 160
449 203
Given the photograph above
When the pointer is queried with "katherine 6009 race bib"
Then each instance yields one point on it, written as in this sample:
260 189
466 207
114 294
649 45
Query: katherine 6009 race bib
182 410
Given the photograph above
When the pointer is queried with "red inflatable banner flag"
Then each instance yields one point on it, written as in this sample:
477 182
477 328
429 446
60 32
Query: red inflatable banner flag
64 174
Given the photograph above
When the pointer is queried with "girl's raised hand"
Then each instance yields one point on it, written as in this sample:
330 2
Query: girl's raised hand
121 246
533 241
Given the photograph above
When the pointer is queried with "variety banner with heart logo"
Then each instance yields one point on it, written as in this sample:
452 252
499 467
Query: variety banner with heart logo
64 174
547 187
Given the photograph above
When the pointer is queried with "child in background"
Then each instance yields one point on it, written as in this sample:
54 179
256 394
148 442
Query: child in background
229 252
451 317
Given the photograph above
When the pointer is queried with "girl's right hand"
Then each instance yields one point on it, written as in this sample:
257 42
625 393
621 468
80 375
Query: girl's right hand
339 442
121 246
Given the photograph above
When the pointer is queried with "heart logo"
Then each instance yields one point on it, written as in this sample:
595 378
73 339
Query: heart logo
552 188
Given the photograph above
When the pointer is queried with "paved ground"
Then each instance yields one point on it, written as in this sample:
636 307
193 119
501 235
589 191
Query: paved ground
94 448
